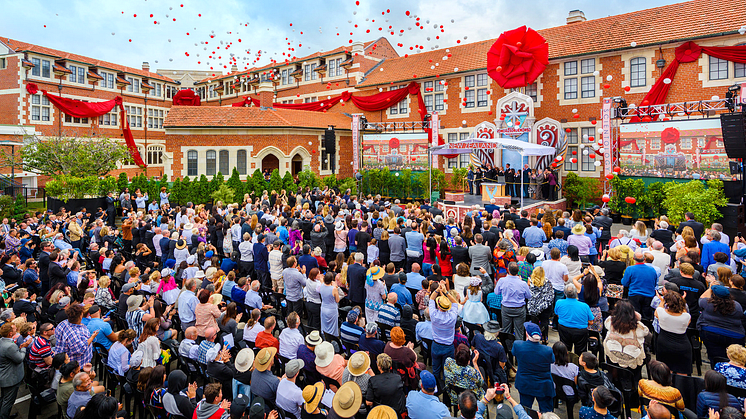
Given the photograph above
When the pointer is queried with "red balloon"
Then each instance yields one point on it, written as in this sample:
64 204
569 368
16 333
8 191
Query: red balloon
576 116
593 156
593 122
627 88
574 152
630 200
568 130
607 86
394 143
609 176
617 169
574 160
606 198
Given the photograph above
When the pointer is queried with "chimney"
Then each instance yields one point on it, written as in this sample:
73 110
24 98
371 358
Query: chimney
357 48
234 68
145 66
266 94
576 16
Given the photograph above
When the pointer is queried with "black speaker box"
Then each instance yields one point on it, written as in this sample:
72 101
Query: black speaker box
734 134
330 141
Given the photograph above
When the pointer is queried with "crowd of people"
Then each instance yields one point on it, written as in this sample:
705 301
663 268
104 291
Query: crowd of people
540 184
322 304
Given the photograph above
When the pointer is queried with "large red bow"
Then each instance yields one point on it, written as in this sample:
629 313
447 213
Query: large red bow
670 135
517 58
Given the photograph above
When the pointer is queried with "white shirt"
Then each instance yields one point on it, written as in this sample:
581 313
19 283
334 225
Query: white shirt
555 272
251 335
289 397
723 239
290 340
661 261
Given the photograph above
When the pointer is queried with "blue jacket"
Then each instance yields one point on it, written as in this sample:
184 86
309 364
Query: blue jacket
709 250
534 377
261 257
707 400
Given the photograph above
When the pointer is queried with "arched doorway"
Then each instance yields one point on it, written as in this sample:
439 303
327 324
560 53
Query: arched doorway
270 162
297 164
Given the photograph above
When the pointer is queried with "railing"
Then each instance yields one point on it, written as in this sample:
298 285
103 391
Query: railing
702 107
29 194
394 126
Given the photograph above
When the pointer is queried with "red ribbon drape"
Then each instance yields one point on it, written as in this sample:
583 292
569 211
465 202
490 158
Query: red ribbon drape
670 135
80 109
517 58
186 97
686 53
247 101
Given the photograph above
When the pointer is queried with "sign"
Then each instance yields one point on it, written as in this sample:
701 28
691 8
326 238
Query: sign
435 129
355 142
513 132
606 134
396 151
474 145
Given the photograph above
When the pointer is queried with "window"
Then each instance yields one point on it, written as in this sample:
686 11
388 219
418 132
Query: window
637 72
134 85
107 80
309 73
40 108
134 116
170 91
718 69
482 97
469 81
655 144
108 119
433 101
464 160
569 165
211 91
571 68
191 163
586 134
532 90
155 118
571 88
399 108
325 157
77 74
701 142
309 99
587 66
42 68
73 120
452 138
155 155
469 95
210 163
482 80
314 74
157 89
36 70
428 102
3 64
335 67
587 87
587 162
686 143
572 136
224 166
241 162
285 76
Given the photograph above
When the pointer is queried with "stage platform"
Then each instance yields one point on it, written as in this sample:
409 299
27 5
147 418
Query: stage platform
459 209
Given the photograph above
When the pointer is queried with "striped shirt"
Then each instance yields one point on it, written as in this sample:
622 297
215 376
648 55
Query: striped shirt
389 314
351 332
39 350
134 321
205 346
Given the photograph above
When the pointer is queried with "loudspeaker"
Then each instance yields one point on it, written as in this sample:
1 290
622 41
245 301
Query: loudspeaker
734 134
330 141
735 167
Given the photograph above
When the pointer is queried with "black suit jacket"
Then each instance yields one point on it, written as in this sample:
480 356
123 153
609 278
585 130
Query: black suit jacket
698 228
356 279
44 267
25 307
522 224
57 273
605 222
460 254
490 239
222 371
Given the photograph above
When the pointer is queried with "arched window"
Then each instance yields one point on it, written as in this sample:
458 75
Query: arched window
210 171
224 167
637 72
192 163
155 155
241 162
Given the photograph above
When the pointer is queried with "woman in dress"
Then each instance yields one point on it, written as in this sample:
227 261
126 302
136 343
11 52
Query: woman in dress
589 292
540 305
734 370
375 293
329 292
673 346
149 343
206 313
313 299
459 373
444 260
461 279
474 311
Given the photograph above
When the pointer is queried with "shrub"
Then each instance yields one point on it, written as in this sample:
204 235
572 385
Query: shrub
224 194
703 200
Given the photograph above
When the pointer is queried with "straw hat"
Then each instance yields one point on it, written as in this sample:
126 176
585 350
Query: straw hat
210 272
313 395
324 354
244 359
375 272
264 359
359 363
578 229
134 302
314 338
443 303
347 400
382 412
181 244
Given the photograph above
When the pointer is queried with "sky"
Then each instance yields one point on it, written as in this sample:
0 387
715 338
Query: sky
213 35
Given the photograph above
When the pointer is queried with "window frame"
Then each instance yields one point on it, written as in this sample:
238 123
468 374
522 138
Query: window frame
241 160
570 68
211 163
638 76
192 163
587 87
224 162
722 67
155 154
571 92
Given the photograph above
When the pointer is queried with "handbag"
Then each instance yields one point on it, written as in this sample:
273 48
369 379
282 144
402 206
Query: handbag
614 291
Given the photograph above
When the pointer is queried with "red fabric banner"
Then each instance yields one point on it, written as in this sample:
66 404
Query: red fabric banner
317 106
247 101
670 135
80 109
686 53
186 97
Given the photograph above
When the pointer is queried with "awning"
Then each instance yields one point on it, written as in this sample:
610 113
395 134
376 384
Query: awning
466 146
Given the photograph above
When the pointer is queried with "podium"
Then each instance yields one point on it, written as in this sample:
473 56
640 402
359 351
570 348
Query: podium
492 190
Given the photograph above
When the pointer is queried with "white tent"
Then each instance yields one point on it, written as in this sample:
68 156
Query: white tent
468 145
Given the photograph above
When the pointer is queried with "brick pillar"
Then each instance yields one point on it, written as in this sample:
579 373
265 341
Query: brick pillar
266 94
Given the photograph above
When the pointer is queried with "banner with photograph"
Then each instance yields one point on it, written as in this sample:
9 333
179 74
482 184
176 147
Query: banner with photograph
687 149
397 151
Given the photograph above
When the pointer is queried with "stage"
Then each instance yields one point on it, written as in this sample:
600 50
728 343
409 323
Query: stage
459 209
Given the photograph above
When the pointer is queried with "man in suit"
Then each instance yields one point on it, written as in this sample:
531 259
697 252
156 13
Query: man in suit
110 210
11 367
603 222
490 238
46 249
480 255
509 180
459 252
220 366
523 222
698 227
566 231
356 278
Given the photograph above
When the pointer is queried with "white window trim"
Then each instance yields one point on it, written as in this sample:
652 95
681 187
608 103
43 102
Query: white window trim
650 55
400 115
462 94
580 100
704 63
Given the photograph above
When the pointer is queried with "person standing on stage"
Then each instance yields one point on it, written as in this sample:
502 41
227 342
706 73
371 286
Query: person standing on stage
553 185
527 175
545 187
478 176
491 173
539 178
509 180
470 179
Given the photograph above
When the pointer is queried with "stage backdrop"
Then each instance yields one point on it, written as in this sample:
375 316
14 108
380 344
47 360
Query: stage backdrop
395 151
689 149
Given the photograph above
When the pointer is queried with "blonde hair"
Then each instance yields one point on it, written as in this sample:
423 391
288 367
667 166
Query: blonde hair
104 231
523 251
737 354
104 281
510 225
687 231
537 277
641 228
614 253
55 298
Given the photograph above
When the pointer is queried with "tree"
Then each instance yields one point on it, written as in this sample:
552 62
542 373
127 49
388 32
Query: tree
234 182
224 194
215 182
122 182
75 156
177 192
308 179
154 186
259 184
163 184
275 181
19 208
248 186
580 190
201 191
288 183
703 201
186 189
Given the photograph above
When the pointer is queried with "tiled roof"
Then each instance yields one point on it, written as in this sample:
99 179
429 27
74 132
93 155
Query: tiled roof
20 46
279 64
666 24
230 117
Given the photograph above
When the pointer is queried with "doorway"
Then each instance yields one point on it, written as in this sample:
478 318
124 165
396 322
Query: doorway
296 165
270 162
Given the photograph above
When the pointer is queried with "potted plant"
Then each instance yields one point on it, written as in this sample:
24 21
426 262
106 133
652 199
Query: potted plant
654 197
616 199
457 182
700 198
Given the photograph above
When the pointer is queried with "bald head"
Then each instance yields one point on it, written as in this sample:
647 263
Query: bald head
210 333
657 245
191 333
415 267
255 285
392 297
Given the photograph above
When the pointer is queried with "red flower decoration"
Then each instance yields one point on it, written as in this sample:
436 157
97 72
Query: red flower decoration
518 57
393 143
670 135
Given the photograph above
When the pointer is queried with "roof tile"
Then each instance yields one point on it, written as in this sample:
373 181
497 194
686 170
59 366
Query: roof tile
252 117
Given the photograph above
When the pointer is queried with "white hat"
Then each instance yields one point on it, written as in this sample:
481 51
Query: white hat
166 272
191 260
244 359
324 354
210 272
199 274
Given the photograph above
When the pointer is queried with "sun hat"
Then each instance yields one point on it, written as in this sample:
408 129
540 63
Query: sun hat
339 226
324 354
292 367
491 326
578 229
134 302
443 303
347 400
382 412
359 363
210 272
244 359
188 226
375 272
181 244
475 281
264 357
312 395
191 260
199 274
314 338
166 272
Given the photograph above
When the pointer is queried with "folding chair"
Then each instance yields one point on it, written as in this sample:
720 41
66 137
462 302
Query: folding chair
569 399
